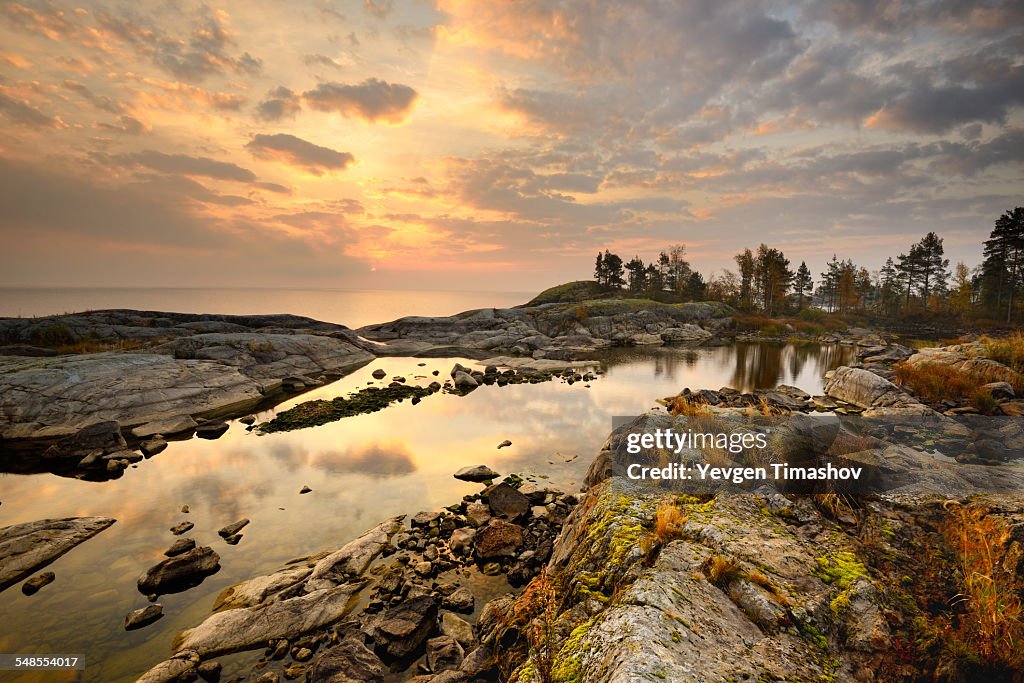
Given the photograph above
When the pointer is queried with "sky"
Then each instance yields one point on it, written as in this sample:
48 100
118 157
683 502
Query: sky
494 145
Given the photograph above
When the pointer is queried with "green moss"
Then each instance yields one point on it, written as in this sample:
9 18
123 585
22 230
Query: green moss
840 569
568 664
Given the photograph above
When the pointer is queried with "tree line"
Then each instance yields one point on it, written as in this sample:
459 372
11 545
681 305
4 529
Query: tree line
918 281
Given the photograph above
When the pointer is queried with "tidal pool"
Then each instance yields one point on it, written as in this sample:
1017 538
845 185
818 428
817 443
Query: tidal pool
361 469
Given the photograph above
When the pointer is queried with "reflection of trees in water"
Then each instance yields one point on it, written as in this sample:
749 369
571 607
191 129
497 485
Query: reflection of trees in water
750 365
666 359
760 366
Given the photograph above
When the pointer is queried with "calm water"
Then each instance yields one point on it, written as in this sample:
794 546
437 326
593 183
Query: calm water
351 307
361 470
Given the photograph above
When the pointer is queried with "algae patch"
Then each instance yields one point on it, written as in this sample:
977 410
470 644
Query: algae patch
322 411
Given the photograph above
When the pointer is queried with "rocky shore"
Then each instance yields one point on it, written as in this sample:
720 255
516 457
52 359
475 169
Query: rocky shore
399 598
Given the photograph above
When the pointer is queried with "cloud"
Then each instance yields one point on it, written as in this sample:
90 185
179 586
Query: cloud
23 113
378 8
183 164
299 153
99 101
280 103
128 125
203 53
928 108
372 100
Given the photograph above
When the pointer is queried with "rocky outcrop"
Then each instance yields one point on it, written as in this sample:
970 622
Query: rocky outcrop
865 389
551 330
24 548
158 391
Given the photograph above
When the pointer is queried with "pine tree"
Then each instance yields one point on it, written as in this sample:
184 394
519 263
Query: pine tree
600 274
829 287
613 269
1003 267
745 262
802 283
635 268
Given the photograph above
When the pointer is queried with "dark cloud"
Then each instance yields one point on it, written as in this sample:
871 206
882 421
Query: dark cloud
23 113
929 108
322 60
183 164
298 152
372 100
128 125
280 103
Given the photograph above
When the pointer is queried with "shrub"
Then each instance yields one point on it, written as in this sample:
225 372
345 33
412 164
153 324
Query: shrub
937 382
813 315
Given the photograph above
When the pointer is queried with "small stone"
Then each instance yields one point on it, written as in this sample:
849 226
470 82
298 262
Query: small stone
184 509
182 545
143 616
462 600
152 446
211 430
505 444
478 513
294 671
424 568
247 420
304 489
233 539
304 654
378 374
476 473
182 527
32 586
234 528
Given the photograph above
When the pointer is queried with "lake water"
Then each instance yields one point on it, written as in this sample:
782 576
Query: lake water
351 307
361 469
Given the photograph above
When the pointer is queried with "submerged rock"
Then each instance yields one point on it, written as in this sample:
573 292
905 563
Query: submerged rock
32 586
143 616
24 548
181 667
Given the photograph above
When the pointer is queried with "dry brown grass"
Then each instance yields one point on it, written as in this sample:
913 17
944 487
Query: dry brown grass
668 523
991 631
533 614
683 405
938 382
98 346
720 569
1008 350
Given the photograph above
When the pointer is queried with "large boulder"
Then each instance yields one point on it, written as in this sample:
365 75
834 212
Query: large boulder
865 389
240 629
